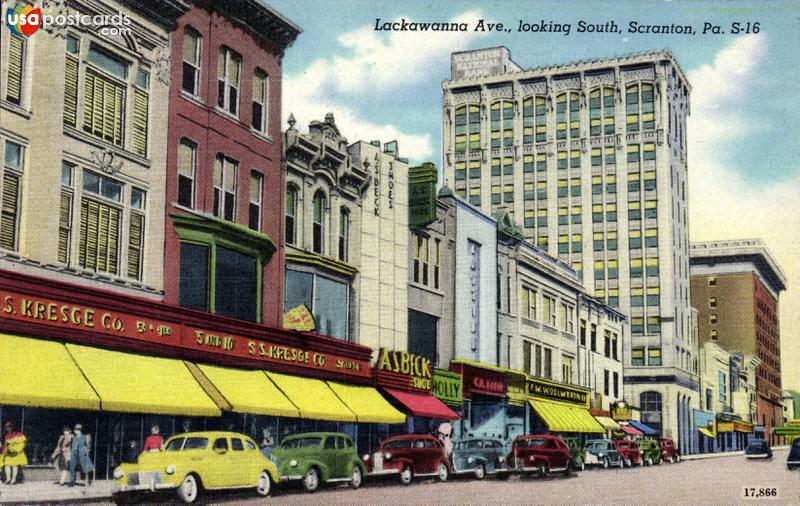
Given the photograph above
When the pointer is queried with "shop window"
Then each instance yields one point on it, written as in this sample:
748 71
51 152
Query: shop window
256 196
192 42
187 169
10 205
229 68
291 215
225 183
327 299
318 226
259 118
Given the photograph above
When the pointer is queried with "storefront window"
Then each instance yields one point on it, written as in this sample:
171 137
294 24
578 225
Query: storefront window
236 284
422 334
194 276
650 403
327 299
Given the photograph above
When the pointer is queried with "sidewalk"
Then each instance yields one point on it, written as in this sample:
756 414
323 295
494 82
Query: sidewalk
47 491
698 456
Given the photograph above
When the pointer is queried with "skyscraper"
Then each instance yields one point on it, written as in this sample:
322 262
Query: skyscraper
589 159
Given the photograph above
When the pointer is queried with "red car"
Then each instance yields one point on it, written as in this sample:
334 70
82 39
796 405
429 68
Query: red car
629 451
668 451
541 453
409 455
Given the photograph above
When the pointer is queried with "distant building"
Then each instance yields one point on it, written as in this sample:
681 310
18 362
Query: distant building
735 288
787 399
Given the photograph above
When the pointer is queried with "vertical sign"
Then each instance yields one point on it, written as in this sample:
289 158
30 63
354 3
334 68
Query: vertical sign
474 251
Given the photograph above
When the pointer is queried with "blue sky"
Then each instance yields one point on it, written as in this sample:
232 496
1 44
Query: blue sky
743 135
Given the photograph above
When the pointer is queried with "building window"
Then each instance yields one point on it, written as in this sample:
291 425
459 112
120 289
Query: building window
136 233
637 356
635 240
437 253
291 214
616 385
712 302
712 334
260 89
225 178
229 69
651 266
502 123
607 343
344 233
567 115
654 356
650 404
637 325
651 209
475 196
566 369
549 310
10 206
636 103
528 307
653 325
461 171
65 212
712 318
548 363
191 61
508 193
326 298
653 296
611 211
422 334
187 168
100 224
537 361
712 281
723 397
614 346
606 382
104 96
526 357
496 194
468 128
582 332
534 120
651 238
16 69
319 223
593 337
256 196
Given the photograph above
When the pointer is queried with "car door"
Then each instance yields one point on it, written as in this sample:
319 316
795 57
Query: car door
244 474
220 469
329 457
430 455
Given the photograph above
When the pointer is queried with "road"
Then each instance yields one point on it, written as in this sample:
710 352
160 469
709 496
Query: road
719 480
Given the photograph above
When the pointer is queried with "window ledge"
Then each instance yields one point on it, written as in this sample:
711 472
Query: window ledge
188 226
77 134
261 135
426 288
16 109
195 99
306 257
226 114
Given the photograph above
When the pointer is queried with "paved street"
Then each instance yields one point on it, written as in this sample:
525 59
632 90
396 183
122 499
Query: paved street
704 481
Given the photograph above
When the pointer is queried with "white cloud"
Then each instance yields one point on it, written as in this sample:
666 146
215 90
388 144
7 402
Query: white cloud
374 65
723 202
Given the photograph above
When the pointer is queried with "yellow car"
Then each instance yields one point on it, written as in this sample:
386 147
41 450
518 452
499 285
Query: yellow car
195 461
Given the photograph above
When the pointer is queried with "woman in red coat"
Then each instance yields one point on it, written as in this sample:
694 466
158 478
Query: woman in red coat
154 441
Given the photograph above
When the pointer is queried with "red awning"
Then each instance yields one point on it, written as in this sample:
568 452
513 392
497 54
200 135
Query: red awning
633 431
423 405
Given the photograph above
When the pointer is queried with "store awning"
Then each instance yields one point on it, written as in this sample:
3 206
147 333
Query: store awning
424 405
138 384
786 430
565 418
707 432
607 423
367 403
742 426
646 430
313 398
630 430
249 391
42 374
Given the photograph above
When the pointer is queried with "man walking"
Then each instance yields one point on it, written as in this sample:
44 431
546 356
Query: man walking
79 456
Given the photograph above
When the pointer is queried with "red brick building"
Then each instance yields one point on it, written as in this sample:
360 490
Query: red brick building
224 177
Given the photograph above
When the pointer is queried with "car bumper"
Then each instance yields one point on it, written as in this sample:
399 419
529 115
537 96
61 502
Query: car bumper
291 477
144 486
758 456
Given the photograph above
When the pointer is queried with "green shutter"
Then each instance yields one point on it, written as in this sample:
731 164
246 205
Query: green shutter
112 252
89 103
8 215
135 246
103 108
140 110
71 92
99 248
64 225
14 80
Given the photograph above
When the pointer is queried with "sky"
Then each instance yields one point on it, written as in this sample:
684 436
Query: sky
743 140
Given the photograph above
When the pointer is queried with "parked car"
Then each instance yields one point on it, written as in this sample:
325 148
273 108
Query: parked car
541 453
668 450
793 460
195 461
318 457
480 456
650 450
601 452
409 455
758 449
629 451
576 449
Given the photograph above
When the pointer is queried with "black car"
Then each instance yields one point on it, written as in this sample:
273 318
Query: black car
793 460
758 449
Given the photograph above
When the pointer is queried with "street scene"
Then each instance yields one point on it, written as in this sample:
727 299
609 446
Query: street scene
290 252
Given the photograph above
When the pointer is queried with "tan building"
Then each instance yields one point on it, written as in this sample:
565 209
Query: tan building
81 109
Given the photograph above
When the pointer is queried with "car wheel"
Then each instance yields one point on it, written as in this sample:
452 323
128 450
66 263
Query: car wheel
621 463
355 481
264 484
677 458
311 480
649 461
405 475
606 463
480 472
583 466
442 473
542 470
641 462
628 463
568 471
189 489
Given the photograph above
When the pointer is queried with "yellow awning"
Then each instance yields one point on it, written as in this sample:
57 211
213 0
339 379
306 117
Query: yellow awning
250 391
707 432
313 398
41 373
607 423
367 403
564 418
139 384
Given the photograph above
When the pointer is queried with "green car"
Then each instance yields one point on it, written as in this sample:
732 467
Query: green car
576 449
651 451
318 457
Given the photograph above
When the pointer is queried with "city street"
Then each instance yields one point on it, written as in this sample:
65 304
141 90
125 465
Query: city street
704 481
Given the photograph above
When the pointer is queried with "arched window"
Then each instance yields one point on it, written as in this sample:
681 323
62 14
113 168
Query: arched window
601 111
291 214
534 122
319 223
568 115
468 128
344 233
639 105
650 403
502 117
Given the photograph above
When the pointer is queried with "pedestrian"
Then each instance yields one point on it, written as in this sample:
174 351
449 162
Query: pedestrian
131 454
13 452
79 455
60 456
154 441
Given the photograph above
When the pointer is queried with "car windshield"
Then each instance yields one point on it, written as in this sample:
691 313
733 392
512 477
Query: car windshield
398 443
196 443
757 446
175 444
302 442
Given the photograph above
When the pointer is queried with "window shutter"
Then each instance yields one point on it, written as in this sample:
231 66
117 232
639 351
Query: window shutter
89 219
102 238
71 92
135 246
99 248
64 225
140 110
8 217
91 108
14 80
112 251
103 108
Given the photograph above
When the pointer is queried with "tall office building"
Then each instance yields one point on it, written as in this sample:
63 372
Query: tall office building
735 288
589 159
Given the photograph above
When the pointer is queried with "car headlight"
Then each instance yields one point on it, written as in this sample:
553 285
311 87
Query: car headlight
118 473
170 469
601 454
366 456
293 463
501 459
471 460
387 456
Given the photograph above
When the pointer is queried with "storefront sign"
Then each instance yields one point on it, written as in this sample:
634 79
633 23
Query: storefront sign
63 315
478 380
416 367
299 318
471 64
553 391
447 387
422 195
621 412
